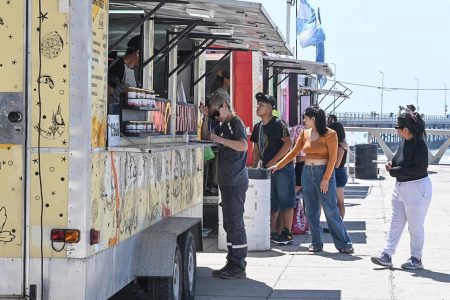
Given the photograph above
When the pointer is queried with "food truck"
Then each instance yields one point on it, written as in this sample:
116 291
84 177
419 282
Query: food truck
97 196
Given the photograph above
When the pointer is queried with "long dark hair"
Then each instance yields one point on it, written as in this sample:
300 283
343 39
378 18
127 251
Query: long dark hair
415 124
318 114
340 131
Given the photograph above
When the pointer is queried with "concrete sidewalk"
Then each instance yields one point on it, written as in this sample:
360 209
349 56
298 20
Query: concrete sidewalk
291 272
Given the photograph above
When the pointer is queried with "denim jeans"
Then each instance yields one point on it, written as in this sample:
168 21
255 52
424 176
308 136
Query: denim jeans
282 189
313 198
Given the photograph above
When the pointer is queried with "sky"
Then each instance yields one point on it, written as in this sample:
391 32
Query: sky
404 39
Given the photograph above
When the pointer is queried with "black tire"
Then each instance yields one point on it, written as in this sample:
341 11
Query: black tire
160 288
189 250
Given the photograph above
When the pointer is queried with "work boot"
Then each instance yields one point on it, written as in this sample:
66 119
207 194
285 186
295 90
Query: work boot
216 273
233 272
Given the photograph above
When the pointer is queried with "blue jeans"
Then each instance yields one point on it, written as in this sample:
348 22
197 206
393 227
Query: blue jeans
313 198
282 189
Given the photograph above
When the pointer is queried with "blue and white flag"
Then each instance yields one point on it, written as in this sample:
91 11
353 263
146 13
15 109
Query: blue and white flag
309 29
310 33
320 57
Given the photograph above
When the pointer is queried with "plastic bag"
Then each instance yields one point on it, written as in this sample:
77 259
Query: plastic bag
208 153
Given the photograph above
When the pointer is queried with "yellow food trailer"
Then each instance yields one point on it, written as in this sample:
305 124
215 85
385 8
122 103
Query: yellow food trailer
87 206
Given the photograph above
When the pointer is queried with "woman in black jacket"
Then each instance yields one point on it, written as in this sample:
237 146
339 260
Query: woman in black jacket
412 193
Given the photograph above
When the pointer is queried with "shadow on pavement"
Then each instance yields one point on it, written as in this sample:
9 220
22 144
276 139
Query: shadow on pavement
356 192
424 273
218 288
209 287
306 294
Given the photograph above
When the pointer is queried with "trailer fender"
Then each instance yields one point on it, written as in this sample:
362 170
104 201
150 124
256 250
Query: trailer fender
157 245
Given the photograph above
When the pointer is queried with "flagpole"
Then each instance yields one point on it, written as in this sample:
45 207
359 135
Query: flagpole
288 22
296 33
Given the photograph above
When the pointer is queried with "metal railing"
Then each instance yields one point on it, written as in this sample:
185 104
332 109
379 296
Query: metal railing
375 133
391 118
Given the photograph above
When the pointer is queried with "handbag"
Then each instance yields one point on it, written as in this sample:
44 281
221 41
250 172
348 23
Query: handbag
299 223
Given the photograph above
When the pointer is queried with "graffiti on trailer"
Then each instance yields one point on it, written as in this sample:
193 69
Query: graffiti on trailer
53 129
5 235
161 117
186 118
128 214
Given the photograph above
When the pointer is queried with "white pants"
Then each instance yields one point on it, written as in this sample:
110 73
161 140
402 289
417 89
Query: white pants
410 202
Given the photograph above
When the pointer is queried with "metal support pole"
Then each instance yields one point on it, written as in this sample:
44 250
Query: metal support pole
382 91
417 93
445 100
171 44
212 68
192 56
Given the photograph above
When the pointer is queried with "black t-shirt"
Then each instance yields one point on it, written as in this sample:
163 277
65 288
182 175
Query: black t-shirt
268 138
231 169
410 162
344 158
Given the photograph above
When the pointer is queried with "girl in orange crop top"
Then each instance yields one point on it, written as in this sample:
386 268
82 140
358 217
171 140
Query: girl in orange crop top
320 146
318 142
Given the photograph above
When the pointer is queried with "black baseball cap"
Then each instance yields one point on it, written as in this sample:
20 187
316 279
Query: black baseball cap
261 97
134 43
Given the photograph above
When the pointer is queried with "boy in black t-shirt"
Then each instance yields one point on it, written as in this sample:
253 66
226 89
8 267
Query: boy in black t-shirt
231 137
271 143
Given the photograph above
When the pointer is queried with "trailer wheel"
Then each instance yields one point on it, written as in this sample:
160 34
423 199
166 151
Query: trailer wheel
189 251
167 288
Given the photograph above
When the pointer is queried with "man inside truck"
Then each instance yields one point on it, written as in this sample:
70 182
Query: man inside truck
121 72
231 138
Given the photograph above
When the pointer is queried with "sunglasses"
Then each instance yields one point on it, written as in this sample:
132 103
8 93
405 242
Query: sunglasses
214 114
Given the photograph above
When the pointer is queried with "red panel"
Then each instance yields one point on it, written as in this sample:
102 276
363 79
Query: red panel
243 89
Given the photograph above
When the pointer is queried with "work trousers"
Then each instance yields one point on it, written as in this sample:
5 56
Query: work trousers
410 202
233 199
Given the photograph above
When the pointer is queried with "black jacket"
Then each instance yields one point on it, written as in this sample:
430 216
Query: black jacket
410 162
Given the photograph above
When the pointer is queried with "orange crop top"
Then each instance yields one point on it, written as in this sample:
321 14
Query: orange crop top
325 147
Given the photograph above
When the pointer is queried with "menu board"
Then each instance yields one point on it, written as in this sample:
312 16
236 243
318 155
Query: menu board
99 70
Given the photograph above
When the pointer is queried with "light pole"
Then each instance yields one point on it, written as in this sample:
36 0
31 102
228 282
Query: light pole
445 100
382 91
417 93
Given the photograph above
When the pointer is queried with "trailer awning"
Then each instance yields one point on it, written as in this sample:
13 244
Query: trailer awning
327 92
235 24
289 65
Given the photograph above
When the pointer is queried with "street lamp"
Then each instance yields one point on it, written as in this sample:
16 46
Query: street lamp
445 99
417 93
382 91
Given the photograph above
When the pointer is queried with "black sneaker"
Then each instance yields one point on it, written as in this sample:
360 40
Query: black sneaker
273 236
233 272
285 238
216 273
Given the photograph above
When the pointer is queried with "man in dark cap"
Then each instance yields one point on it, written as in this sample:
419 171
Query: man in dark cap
122 72
271 143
